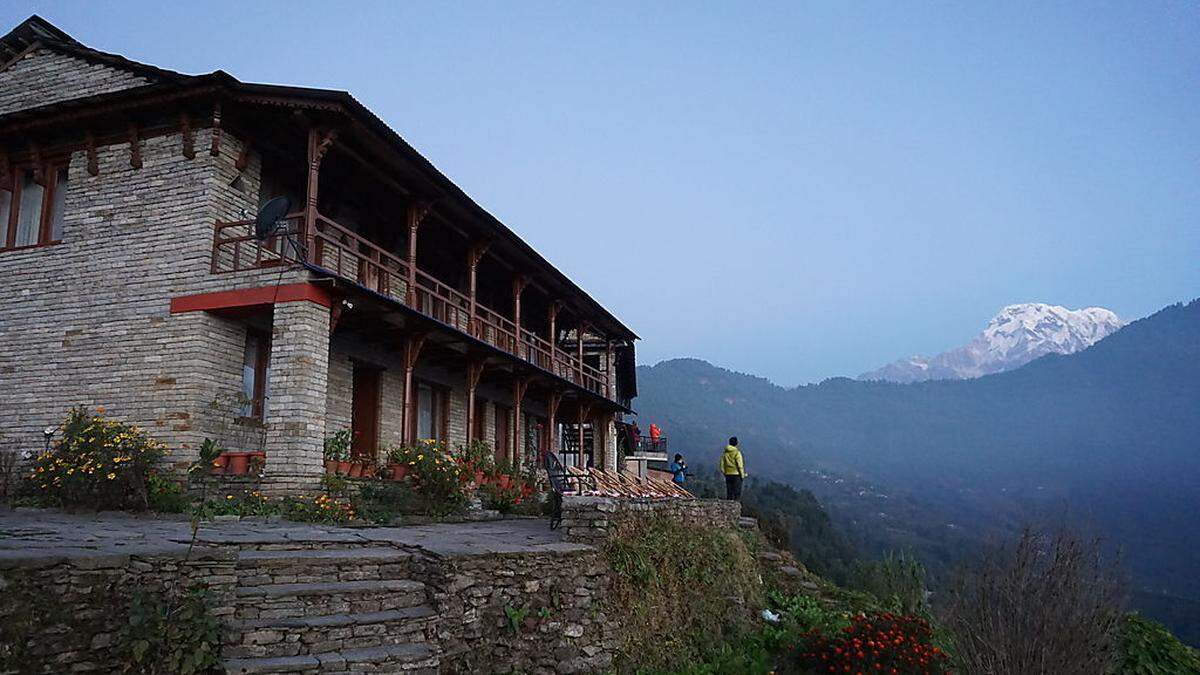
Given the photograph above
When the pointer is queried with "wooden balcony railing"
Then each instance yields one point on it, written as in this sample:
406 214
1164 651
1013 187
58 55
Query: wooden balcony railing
348 255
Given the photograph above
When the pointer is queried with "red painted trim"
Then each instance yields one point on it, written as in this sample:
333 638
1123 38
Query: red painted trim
247 297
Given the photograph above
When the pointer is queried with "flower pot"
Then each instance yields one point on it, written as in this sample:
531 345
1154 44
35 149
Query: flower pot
331 466
368 470
399 471
239 463
343 468
356 470
218 465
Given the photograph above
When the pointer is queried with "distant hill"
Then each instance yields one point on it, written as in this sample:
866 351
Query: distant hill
1108 437
1017 335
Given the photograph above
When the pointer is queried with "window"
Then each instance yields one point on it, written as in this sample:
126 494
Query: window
431 412
31 212
255 361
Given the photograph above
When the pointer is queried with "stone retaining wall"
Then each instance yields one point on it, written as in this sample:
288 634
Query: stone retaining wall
591 520
552 595
79 599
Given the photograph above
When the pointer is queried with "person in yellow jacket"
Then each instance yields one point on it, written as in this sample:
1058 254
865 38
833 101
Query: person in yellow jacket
734 469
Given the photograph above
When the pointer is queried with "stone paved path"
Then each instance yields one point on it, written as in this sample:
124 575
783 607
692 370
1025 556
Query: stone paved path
29 535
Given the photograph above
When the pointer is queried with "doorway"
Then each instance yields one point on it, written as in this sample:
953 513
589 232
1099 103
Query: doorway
364 413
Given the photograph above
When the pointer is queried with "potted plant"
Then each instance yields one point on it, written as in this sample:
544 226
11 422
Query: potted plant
257 463
237 463
218 464
400 460
356 469
337 452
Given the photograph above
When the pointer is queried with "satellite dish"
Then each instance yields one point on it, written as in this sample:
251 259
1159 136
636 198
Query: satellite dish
270 217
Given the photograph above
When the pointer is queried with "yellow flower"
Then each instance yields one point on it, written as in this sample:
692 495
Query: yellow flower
228 496
111 476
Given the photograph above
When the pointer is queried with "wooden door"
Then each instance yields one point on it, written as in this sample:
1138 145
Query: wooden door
364 414
503 444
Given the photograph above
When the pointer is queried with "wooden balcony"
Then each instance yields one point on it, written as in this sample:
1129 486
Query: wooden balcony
345 254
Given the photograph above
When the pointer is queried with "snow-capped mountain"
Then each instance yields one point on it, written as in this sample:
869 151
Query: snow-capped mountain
1014 337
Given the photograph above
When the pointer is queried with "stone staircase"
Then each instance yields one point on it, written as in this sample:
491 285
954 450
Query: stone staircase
329 610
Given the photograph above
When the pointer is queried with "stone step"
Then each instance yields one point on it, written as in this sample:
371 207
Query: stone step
273 601
311 566
417 659
304 635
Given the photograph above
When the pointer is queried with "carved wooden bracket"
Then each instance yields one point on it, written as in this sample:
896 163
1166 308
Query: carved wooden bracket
215 148
476 253
335 315
243 158
325 140
93 161
519 283
474 373
520 385
135 147
412 348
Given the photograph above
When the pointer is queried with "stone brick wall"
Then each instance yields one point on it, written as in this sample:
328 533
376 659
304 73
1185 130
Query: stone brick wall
79 593
88 322
562 632
591 520
42 77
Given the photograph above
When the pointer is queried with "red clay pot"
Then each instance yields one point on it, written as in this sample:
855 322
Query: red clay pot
239 463
218 465
356 470
331 466
399 471
343 468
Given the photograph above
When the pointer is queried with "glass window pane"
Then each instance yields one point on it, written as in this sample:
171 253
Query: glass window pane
5 205
29 214
424 412
56 209
249 374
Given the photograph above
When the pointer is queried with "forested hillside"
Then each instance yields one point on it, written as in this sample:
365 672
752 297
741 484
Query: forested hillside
1108 438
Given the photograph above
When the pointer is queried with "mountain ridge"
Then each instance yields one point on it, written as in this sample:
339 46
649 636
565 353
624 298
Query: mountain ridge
1106 435
1016 335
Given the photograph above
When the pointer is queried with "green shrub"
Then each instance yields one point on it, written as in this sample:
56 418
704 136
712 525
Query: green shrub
1148 648
898 581
337 446
169 635
165 495
96 464
679 591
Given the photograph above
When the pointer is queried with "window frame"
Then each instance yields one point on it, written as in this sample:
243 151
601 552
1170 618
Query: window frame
441 410
258 397
12 184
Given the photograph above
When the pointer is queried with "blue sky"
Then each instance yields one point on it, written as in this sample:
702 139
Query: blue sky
795 190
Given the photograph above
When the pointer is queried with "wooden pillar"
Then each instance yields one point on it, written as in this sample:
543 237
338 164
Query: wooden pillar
474 372
412 349
609 388
473 257
414 216
318 144
552 337
518 287
520 384
552 404
585 410
579 352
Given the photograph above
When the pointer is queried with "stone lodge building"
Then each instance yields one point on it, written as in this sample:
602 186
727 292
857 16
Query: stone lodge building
387 302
